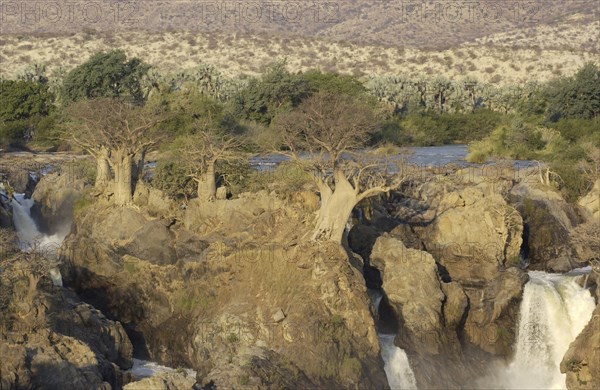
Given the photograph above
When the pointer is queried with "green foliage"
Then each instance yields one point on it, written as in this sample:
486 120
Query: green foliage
47 132
431 128
173 180
244 380
575 97
232 338
23 100
573 130
81 204
188 304
276 91
235 174
517 140
106 75
12 134
24 105
337 320
334 83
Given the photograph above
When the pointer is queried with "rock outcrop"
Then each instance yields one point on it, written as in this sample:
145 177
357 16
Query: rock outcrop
474 234
581 363
449 268
51 340
591 202
211 291
429 312
548 222
55 195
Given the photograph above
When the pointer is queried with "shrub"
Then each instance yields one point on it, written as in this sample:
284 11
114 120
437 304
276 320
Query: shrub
173 180
12 134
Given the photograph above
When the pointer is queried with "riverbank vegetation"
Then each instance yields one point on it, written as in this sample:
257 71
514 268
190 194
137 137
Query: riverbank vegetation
556 122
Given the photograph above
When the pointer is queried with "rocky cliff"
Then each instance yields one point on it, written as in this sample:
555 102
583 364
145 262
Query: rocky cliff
236 292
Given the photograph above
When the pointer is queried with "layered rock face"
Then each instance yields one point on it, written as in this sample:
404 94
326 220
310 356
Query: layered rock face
52 340
236 293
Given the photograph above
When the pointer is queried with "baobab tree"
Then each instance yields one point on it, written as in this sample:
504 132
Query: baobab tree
118 135
200 153
330 129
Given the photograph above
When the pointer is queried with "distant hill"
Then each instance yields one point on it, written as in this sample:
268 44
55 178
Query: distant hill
489 40
416 23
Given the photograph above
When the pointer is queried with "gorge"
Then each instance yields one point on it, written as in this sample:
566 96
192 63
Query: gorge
437 318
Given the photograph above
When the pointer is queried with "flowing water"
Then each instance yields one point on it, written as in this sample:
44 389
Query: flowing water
30 238
144 369
396 365
554 310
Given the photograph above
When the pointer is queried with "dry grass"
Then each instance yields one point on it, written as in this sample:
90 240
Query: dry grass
238 54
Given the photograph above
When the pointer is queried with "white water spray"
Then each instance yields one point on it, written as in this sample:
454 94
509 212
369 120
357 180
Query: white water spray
396 365
30 238
554 310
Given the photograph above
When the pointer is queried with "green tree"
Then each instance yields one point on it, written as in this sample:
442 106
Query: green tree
106 75
22 100
334 83
24 105
575 97
275 92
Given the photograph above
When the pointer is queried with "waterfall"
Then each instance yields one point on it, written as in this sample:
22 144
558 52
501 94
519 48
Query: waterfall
554 310
396 365
30 238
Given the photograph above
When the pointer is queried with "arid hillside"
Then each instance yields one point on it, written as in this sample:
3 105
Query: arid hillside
497 42
417 23
492 60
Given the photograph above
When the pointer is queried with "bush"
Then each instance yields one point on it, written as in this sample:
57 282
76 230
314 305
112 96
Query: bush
517 140
12 134
173 180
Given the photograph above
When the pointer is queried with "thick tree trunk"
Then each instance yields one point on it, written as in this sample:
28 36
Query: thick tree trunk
336 208
103 176
138 167
123 173
207 186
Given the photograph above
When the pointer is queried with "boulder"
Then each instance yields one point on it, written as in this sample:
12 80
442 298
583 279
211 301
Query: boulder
152 242
429 313
455 304
493 314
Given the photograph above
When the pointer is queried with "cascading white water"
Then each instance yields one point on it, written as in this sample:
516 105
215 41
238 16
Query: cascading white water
554 310
396 365
30 238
